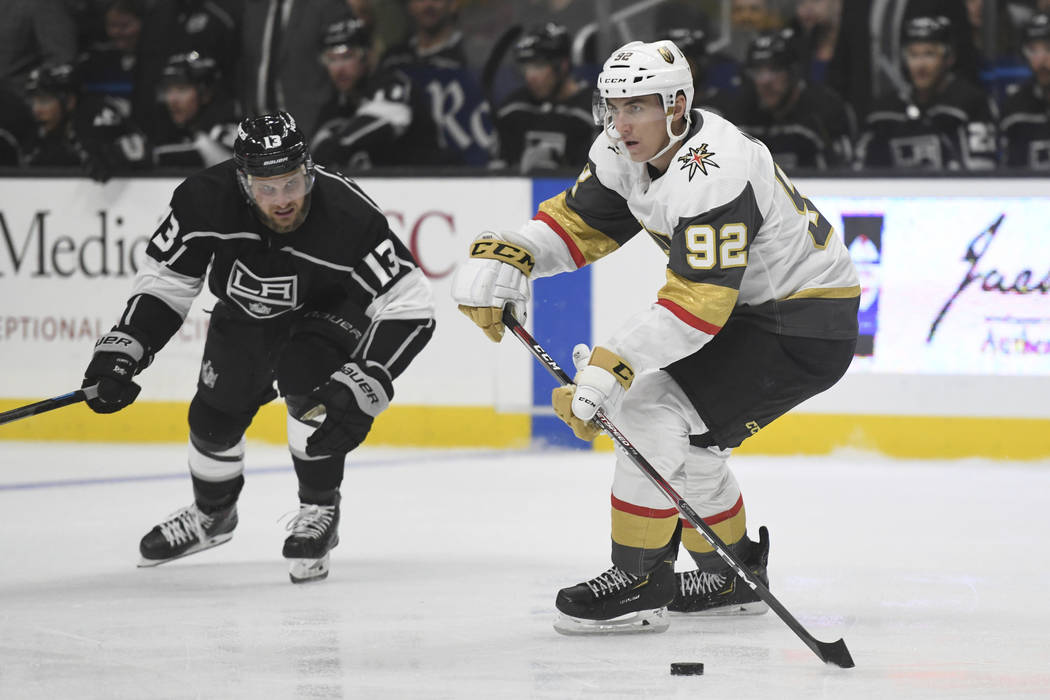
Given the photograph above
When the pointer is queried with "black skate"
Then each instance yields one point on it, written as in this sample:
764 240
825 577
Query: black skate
699 593
617 602
315 531
187 531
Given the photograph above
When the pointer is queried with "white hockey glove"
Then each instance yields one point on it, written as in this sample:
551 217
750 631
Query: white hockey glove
497 274
602 380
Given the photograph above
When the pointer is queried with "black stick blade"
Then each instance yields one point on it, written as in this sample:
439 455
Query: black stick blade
835 653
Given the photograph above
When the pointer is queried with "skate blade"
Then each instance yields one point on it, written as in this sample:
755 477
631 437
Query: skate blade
307 570
639 622
756 608
145 563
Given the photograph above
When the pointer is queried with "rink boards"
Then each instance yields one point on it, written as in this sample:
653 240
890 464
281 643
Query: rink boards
955 353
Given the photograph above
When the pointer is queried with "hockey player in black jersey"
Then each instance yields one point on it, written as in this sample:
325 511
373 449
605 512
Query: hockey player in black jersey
941 122
200 123
80 130
368 112
451 122
804 125
547 123
1025 125
314 293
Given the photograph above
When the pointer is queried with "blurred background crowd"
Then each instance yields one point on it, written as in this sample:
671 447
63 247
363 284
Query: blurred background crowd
119 87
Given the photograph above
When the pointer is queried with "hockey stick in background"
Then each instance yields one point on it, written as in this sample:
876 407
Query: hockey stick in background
829 652
51 404
495 58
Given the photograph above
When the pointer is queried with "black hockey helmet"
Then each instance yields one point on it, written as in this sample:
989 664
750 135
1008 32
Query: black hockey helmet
1037 28
346 34
776 49
59 79
271 145
936 30
547 43
190 69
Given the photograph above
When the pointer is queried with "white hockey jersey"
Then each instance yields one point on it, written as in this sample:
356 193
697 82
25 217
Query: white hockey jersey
741 241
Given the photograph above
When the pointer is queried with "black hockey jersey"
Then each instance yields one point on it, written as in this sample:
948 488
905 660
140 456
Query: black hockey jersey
545 134
357 134
97 136
451 121
1024 129
816 131
342 256
954 132
205 141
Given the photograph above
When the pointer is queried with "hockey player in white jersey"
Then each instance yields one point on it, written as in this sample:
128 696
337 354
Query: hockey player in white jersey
758 313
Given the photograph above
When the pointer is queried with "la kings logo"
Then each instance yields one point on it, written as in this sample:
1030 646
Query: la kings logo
262 297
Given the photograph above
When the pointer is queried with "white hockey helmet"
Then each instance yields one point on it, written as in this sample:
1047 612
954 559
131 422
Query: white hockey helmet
640 68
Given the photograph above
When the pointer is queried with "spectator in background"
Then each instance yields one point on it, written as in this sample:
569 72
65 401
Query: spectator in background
200 125
33 33
942 122
210 27
367 114
1025 124
816 24
280 71
79 131
747 19
716 75
803 125
451 120
110 66
546 124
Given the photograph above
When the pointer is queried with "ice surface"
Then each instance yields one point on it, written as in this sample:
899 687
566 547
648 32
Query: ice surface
936 574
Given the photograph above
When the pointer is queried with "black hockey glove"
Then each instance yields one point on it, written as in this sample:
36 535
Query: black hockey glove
352 398
118 357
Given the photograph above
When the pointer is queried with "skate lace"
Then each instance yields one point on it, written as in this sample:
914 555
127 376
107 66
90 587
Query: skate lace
612 580
694 582
311 521
185 525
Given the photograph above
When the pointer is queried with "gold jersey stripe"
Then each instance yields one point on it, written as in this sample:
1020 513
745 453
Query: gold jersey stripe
826 293
729 531
641 532
592 243
711 303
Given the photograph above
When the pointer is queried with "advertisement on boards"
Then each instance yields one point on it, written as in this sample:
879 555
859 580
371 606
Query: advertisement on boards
957 285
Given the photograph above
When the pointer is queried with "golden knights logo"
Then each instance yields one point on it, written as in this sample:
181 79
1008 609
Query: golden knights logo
697 159
666 54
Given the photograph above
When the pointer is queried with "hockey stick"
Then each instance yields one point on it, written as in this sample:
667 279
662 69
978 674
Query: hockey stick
495 58
51 404
829 652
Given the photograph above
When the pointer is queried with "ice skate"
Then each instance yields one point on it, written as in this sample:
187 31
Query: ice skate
699 593
617 602
187 531
315 531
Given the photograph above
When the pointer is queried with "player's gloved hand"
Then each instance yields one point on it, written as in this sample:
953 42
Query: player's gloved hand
118 358
602 380
352 398
497 274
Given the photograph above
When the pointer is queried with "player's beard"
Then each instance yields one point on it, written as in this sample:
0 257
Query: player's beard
300 217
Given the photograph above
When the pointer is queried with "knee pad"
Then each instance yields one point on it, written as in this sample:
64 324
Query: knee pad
215 430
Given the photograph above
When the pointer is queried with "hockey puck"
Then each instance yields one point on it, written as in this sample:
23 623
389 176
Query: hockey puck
687 669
